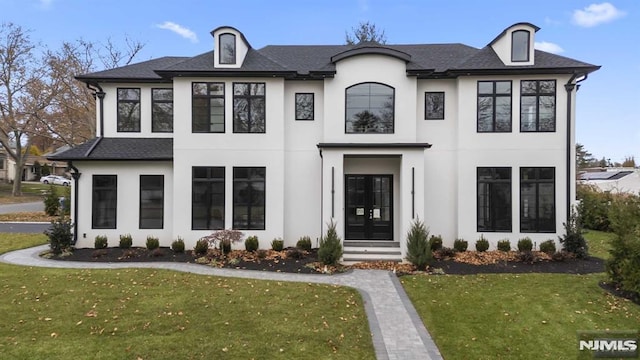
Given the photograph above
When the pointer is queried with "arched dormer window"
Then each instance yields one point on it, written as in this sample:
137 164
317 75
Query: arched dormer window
369 108
520 45
227 49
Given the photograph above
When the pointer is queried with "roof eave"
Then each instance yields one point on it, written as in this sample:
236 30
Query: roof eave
523 71
120 80
168 74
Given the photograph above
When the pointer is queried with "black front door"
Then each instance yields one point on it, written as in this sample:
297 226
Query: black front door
369 207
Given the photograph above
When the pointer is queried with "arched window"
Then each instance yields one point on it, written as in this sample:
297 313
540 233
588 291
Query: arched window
520 45
227 49
369 108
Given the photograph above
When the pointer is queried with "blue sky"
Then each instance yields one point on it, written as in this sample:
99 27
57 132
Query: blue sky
597 32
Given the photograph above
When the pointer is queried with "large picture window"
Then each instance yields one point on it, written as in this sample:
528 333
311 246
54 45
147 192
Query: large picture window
128 110
494 106
537 199
249 198
151 201
494 199
207 204
104 201
538 105
249 108
162 110
369 109
207 107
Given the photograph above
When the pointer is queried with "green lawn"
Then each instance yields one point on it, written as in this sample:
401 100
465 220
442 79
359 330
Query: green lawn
598 243
517 316
155 314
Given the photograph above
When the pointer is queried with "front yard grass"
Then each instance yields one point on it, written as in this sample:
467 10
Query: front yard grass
31 192
517 316
158 314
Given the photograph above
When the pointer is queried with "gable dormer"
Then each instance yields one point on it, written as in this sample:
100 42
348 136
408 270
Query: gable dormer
231 47
514 46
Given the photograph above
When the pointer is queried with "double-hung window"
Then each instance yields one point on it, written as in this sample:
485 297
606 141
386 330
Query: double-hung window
207 107
207 199
537 199
161 110
249 108
104 201
249 198
538 105
151 201
494 199
128 110
494 106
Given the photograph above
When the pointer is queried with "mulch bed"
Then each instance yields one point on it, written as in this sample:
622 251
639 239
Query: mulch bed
567 266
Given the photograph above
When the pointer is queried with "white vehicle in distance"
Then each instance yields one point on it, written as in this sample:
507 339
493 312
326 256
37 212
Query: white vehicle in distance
56 180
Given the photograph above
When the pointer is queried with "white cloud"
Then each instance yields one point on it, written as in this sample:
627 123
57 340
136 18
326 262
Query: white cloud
596 14
180 30
548 47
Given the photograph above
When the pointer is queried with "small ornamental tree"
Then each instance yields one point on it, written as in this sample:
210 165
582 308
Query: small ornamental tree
330 250
418 247
573 240
60 235
223 239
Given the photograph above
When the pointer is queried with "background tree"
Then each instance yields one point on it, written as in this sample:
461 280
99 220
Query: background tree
584 158
629 161
25 94
365 32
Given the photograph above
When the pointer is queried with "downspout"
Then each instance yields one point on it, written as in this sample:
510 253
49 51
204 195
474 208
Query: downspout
76 176
99 93
569 87
321 192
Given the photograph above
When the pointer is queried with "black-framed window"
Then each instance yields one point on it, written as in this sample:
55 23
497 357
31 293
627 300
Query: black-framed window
520 46
494 106
227 49
370 108
304 106
249 198
494 199
151 202
434 105
162 110
128 110
538 105
538 199
249 108
104 201
207 107
207 200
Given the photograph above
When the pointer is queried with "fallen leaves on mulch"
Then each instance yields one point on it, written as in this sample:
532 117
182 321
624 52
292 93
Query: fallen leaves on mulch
494 257
32 216
384 265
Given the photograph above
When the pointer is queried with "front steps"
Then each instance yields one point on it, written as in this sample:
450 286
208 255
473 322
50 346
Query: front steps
360 251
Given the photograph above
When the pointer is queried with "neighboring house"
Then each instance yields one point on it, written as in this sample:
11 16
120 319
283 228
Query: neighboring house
617 180
29 171
280 141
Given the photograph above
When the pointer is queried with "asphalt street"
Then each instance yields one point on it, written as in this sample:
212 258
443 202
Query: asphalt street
17 227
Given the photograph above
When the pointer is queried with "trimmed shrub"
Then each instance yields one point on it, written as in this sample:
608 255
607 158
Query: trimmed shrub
261 253
435 242
277 244
51 201
446 252
126 241
482 244
525 244
418 247
593 208
101 242
295 253
152 243
527 257
548 247
504 245
304 243
573 241
202 246
60 236
460 245
178 245
330 250
251 243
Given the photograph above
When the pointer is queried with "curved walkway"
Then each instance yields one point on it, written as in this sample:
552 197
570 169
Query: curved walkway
396 328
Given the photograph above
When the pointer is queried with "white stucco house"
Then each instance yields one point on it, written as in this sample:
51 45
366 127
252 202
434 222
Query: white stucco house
279 141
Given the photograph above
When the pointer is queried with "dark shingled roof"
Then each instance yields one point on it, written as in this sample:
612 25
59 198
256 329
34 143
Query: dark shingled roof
120 149
307 60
